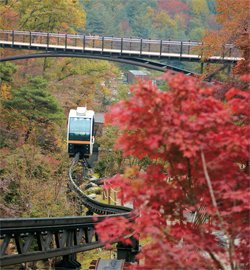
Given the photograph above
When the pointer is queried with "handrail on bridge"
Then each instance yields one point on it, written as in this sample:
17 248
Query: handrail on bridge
126 46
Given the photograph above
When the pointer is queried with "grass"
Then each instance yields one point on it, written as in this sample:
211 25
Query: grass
87 257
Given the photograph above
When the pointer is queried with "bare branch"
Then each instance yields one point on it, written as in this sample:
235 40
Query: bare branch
211 191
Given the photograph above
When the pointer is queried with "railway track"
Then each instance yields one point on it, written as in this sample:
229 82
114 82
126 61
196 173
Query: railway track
93 205
33 239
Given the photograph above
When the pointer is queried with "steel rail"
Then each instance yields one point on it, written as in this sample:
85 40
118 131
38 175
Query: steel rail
55 236
93 205
28 224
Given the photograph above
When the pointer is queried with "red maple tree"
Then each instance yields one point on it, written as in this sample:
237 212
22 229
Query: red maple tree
191 200
173 6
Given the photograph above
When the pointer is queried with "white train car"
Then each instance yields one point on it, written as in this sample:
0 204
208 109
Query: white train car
80 135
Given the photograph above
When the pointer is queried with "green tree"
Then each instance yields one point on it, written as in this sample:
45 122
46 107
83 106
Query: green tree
32 106
6 77
95 24
200 7
102 17
138 17
211 6
7 70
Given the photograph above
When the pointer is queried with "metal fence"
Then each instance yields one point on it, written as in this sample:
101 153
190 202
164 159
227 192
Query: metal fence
146 47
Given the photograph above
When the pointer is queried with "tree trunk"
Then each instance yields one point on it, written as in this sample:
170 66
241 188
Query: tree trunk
27 134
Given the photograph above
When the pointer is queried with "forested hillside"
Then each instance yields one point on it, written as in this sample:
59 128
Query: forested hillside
160 19
36 95
172 142
175 19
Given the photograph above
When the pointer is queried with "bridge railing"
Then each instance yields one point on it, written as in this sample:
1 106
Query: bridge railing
126 45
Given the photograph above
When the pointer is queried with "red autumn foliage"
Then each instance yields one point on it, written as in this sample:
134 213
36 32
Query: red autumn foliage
192 140
233 18
172 6
124 25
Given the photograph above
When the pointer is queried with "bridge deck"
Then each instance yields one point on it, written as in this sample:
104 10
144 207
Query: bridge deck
114 47
183 57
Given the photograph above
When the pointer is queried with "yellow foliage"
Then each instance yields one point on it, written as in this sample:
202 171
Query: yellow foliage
131 171
162 20
200 7
106 91
5 91
47 15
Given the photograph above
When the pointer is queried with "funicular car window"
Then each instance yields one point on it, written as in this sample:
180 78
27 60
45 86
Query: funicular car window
79 128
